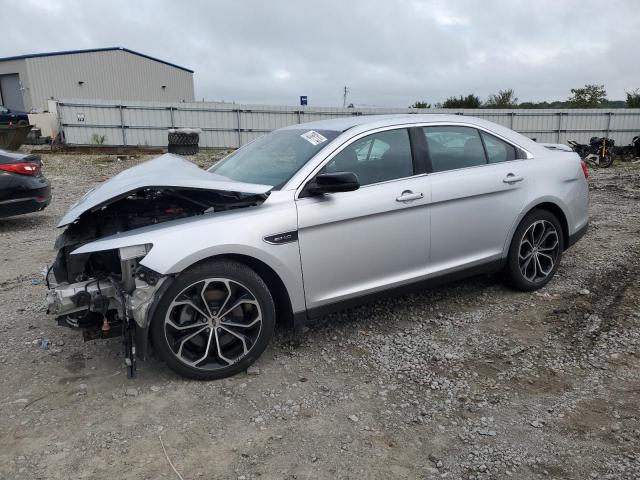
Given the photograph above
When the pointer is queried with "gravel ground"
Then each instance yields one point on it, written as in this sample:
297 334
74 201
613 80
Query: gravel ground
470 380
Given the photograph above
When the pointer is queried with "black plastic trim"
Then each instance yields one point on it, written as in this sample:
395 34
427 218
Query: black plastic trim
282 238
420 151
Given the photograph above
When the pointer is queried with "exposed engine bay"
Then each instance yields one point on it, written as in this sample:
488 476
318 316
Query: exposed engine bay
108 293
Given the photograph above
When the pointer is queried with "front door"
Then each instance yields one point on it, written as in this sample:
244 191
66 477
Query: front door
354 243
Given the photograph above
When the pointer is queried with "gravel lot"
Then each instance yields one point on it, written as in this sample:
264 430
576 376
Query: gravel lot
470 380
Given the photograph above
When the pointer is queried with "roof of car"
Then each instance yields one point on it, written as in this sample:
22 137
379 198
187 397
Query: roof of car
361 123
345 123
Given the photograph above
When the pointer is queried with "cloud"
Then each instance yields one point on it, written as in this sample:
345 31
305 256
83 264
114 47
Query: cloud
389 53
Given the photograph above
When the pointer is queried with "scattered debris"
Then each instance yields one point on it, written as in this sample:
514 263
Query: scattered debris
131 392
168 459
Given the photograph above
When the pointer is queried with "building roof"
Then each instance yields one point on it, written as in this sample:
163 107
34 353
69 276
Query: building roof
91 50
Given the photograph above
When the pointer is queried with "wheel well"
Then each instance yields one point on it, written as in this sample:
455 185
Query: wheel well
559 214
284 311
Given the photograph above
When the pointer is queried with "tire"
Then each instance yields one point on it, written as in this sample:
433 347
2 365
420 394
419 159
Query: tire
183 149
180 138
525 276
23 123
236 337
607 161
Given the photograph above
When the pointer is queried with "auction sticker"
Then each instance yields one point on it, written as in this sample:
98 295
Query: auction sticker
313 137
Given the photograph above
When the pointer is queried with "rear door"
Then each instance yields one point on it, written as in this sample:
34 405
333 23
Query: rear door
478 190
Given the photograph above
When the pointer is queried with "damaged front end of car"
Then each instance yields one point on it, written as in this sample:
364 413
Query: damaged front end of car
113 302
108 292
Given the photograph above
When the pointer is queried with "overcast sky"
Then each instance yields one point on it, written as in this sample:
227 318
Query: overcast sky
389 53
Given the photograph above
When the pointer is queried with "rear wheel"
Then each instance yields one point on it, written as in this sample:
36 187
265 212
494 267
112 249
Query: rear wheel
535 251
214 321
606 161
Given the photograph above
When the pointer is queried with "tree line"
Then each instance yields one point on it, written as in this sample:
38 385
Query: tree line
589 96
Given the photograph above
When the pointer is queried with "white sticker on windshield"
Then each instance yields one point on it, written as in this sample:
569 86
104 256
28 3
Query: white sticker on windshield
313 137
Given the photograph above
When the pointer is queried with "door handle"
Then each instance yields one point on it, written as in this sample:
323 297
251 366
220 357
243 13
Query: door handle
409 196
511 178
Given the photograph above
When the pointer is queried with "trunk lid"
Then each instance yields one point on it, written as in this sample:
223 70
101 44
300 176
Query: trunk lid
166 171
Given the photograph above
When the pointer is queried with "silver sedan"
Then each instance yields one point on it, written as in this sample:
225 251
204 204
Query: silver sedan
306 220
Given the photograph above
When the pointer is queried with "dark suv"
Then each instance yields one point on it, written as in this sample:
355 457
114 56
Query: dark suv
13 117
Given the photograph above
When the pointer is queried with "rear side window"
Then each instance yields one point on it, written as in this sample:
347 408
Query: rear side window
453 147
498 150
376 158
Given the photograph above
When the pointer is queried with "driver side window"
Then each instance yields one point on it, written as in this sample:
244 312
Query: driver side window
376 158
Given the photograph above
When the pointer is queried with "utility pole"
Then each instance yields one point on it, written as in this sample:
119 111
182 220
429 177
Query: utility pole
344 96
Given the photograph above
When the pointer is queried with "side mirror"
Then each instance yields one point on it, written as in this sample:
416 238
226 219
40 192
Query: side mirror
332 183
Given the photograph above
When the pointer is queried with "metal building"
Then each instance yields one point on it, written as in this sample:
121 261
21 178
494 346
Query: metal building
29 81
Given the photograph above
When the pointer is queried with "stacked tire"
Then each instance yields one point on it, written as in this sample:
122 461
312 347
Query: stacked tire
184 141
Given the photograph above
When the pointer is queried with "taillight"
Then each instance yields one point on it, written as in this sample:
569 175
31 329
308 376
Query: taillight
584 168
23 168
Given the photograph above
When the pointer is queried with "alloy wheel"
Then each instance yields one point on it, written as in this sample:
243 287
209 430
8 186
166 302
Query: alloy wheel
538 251
213 323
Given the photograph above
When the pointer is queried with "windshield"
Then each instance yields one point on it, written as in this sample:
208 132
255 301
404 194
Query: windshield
273 158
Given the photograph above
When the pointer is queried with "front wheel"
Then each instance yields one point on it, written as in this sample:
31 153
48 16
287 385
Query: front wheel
535 251
214 321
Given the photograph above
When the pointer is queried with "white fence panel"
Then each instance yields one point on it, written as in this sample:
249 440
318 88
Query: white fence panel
228 125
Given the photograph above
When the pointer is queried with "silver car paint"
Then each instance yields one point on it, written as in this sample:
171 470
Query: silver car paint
359 242
180 243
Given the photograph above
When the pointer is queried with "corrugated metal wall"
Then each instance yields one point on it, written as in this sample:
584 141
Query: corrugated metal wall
227 125
114 74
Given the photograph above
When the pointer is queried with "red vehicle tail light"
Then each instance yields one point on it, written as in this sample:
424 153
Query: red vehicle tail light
584 168
23 168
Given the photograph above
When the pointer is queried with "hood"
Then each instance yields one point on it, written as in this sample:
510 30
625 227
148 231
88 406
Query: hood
165 171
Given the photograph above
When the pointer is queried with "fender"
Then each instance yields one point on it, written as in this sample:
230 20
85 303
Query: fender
558 202
177 245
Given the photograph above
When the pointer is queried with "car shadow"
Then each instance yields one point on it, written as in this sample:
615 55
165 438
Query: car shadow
398 310
21 223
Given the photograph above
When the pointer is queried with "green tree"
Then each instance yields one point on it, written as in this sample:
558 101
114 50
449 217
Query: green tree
470 101
502 99
590 96
420 104
633 98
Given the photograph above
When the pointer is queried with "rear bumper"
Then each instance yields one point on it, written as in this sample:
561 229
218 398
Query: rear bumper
573 239
18 206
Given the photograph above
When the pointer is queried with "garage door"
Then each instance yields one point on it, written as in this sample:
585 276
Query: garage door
10 92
